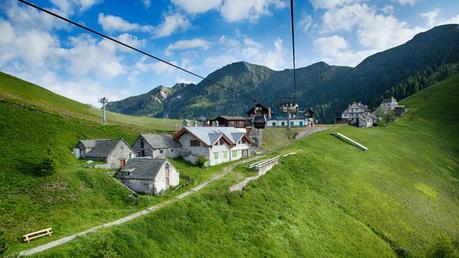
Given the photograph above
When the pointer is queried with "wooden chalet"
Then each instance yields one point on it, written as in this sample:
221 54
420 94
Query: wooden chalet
232 121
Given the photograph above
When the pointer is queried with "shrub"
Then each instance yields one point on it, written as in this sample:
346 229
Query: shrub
49 165
442 248
203 161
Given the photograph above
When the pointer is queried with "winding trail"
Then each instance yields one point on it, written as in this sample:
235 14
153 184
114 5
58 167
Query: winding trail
154 208
133 216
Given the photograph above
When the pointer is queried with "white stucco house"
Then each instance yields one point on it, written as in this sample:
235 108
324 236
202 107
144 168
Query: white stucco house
217 144
388 104
282 121
148 175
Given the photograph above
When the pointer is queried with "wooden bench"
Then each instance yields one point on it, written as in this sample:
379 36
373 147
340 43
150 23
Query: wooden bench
38 234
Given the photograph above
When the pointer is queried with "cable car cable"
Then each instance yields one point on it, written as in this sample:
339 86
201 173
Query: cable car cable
133 48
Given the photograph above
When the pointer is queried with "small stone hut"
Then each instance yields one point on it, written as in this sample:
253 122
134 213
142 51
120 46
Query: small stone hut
148 175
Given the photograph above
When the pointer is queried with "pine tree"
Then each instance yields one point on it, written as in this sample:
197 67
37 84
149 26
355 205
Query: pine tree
50 164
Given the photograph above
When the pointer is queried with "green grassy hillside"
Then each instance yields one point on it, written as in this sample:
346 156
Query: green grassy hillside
75 198
14 90
401 198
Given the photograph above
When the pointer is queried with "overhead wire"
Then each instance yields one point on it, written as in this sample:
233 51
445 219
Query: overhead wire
293 49
133 48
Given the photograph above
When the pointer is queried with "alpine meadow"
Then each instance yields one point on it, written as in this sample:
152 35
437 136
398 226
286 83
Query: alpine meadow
229 128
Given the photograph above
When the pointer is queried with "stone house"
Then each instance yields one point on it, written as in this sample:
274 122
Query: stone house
217 144
114 153
365 120
156 146
148 175
388 104
392 104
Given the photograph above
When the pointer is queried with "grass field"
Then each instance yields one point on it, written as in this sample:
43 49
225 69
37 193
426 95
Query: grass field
14 90
401 198
75 198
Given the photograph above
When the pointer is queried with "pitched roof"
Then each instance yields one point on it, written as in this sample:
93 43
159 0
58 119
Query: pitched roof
357 105
209 135
161 141
388 100
101 148
143 168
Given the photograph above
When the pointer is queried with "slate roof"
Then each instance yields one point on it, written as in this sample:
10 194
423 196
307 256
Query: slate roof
388 100
143 168
161 141
101 148
209 135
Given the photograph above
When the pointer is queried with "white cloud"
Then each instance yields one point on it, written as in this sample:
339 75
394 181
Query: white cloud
89 57
188 44
171 24
330 4
452 20
374 31
388 9
306 22
68 7
335 50
433 20
111 23
407 2
197 6
329 46
236 10
431 17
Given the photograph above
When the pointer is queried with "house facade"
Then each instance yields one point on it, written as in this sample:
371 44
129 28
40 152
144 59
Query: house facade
282 121
232 121
388 104
148 175
365 120
217 144
114 153
156 146
353 111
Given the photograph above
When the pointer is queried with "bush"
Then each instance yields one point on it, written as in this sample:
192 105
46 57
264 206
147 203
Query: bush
49 165
384 117
3 243
442 248
203 161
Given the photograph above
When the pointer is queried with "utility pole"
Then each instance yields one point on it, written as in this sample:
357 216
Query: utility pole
103 101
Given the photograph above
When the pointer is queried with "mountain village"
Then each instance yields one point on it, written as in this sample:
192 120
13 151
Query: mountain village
200 99
144 166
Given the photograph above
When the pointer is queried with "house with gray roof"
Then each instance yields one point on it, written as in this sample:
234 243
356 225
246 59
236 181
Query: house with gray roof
156 146
148 175
216 144
114 153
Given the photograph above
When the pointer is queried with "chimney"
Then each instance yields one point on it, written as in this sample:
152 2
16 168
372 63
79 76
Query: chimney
269 113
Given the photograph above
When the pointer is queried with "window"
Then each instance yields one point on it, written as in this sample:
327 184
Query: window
292 123
142 153
274 124
142 143
161 151
225 154
282 123
195 143
234 154
216 155
301 123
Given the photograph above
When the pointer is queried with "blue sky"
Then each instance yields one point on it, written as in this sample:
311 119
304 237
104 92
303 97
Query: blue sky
200 35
